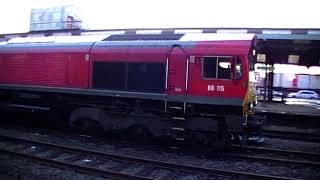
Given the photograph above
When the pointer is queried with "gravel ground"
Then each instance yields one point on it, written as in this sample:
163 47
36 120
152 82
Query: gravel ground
12 168
230 164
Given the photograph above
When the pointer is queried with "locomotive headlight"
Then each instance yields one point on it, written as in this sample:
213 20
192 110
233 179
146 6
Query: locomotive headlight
251 106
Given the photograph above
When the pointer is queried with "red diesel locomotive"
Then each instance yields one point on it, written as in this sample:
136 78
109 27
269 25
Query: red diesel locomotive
187 86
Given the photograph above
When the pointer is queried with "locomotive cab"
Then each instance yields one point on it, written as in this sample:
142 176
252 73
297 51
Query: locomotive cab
222 76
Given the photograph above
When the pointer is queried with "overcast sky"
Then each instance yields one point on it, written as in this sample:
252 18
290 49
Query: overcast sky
112 14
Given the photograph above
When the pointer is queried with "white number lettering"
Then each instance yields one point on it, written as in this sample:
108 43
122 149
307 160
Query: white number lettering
217 88
210 87
220 88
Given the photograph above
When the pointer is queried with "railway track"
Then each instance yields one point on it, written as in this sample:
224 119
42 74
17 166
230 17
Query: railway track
241 152
292 135
94 162
283 156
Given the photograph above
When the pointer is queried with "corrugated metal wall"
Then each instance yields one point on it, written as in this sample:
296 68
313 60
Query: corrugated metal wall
34 70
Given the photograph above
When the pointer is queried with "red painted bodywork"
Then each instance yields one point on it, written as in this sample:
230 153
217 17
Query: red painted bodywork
45 67
177 72
71 66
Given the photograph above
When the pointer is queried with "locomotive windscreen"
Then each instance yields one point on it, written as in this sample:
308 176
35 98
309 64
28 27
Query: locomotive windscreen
135 76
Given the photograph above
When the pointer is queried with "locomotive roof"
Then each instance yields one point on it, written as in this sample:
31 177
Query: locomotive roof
188 37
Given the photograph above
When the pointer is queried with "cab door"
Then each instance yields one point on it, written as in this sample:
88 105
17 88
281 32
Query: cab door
177 71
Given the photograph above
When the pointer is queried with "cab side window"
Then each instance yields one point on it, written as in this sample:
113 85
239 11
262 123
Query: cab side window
210 67
216 67
238 69
224 68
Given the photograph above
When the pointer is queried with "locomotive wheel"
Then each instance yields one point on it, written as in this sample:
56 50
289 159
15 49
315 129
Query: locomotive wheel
236 138
201 138
223 134
139 133
88 126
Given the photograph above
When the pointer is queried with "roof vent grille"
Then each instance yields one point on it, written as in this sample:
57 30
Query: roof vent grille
144 37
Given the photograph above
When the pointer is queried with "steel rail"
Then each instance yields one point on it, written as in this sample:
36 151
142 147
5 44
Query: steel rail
292 135
279 151
275 160
159 164
75 167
